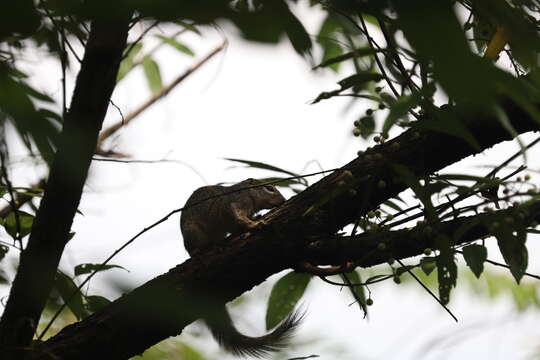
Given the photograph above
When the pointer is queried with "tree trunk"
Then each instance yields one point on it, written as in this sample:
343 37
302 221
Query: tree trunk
39 260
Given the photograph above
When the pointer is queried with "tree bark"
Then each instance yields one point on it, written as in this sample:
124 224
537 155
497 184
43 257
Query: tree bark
39 260
165 305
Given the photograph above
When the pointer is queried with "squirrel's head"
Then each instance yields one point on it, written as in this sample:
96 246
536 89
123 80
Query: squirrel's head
266 195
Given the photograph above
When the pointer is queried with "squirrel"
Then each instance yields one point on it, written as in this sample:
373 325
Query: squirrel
213 212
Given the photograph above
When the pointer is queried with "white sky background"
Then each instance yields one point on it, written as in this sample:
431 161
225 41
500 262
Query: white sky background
252 102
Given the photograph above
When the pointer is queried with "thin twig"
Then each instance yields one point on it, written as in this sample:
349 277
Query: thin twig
145 31
63 64
427 289
392 44
137 161
441 208
57 27
162 93
511 158
157 46
361 304
375 56
386 277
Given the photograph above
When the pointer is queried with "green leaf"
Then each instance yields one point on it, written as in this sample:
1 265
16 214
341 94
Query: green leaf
152 73
366 124
25 222
72 297
446 268
36 94
298 36
176 44
284 297
129 62
187 352
326 37
387 99
428 264
507 125
409 178
361 52
399 109
95 303
511 240
358 80
475 255
392 204
465 77
325 95
35 126
357 292
89 268
269 20
188 26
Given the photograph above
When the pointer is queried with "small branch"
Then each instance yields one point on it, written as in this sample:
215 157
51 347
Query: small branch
139 38
160 161
157 96
427 289
386 277
511 158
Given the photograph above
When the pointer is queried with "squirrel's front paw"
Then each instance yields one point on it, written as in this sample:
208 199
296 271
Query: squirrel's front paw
256 224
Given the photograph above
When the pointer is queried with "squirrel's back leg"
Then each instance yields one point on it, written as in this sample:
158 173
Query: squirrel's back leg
195 238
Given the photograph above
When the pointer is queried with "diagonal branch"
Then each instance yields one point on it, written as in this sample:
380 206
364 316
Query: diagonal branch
165 305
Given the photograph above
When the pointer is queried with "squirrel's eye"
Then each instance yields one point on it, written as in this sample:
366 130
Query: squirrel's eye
269 188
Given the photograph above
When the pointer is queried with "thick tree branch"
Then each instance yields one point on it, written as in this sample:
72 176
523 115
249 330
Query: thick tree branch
39 261
165 305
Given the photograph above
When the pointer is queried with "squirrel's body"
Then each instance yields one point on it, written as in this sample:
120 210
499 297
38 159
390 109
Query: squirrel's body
213 212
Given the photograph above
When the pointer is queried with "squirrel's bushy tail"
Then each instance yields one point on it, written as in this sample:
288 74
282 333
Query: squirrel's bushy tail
232 340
